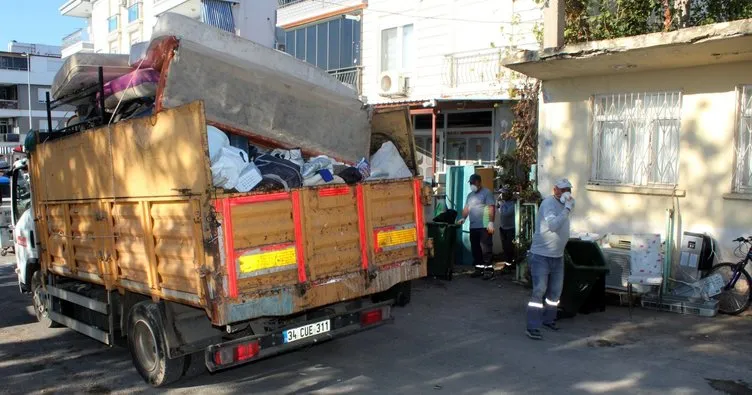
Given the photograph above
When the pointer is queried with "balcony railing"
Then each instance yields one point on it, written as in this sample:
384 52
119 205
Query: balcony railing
285 3
475 71
78 36
349 76
8 104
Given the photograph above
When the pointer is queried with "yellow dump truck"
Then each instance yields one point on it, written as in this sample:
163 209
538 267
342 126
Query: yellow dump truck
137 247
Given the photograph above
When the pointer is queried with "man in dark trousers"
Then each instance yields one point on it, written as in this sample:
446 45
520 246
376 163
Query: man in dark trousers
480 208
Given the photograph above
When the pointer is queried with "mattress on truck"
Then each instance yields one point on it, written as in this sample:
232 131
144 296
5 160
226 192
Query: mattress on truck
266 95
131 207
81 71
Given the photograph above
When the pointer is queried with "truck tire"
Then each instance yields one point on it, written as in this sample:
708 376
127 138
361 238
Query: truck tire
403 293
40 308
147 345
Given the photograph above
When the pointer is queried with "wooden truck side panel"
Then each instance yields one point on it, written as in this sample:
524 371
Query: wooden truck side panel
122 205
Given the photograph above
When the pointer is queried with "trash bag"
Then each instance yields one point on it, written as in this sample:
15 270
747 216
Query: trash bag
351 175
277 171
447 217
387 163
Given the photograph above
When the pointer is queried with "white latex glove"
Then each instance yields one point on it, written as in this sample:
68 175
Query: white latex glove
490 228
569 204
461 221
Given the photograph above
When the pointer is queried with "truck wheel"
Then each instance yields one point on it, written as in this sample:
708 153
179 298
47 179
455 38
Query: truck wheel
403 293
40 308
146 342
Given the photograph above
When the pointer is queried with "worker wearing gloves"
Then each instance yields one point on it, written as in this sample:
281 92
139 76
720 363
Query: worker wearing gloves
480 208
546 258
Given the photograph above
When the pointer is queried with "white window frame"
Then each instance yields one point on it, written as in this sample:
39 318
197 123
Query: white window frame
642 131
41 97
743 143
400 48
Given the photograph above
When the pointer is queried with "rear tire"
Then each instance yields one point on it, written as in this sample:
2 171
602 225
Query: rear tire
733 301
40 307
148 348
403 293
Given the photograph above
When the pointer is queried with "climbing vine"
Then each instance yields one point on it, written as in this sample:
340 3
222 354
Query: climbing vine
516 166
588 20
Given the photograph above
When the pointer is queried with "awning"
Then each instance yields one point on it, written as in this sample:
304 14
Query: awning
218 13
690 47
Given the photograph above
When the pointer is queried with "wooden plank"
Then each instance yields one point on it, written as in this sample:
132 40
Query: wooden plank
147 224
161 155
68 240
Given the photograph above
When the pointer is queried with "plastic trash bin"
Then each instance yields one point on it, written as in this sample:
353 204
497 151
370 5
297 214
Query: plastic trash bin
444 237
585 273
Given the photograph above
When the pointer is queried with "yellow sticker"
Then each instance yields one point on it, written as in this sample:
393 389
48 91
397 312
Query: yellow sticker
267 260
396 237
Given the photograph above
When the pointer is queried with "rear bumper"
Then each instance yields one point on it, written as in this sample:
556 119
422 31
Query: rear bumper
273 343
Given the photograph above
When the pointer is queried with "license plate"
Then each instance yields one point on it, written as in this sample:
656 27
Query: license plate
305 331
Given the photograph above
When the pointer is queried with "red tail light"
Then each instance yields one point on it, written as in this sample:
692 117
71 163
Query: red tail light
237 353
20 240
370 317
246 351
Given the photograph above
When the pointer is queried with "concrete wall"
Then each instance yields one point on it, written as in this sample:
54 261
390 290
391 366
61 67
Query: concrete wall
706 153
443 27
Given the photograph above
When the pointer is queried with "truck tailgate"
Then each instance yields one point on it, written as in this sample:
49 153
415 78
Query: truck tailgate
291 251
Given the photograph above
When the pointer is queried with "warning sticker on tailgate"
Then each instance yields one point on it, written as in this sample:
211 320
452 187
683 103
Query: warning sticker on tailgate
395 237
265 260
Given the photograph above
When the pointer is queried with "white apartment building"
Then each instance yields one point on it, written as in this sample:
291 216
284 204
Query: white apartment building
26 74
112 26
442 58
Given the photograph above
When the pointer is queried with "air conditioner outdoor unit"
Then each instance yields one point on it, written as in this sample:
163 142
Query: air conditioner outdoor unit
619 262
392 83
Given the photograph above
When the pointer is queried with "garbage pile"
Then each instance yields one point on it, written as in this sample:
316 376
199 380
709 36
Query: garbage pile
263 170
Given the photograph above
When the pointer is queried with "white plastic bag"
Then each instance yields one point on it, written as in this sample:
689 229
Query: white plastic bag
217 140
388 162
314 165
226 169
249 178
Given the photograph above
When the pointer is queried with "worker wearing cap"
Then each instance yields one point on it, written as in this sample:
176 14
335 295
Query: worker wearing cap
480 208
546 258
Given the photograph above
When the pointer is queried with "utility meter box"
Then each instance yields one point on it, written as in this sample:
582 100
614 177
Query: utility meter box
695 257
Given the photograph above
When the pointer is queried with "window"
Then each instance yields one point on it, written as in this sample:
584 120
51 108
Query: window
14 63
114 47
330 45
134 12
636 139
42 124
112 23
42 95
5 126
743 171
397 48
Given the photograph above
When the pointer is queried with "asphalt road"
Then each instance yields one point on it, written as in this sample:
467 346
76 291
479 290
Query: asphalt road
459 337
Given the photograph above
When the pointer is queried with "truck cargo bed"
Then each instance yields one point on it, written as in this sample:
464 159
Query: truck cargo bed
131 207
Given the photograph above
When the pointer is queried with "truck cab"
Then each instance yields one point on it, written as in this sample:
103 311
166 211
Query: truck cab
22 216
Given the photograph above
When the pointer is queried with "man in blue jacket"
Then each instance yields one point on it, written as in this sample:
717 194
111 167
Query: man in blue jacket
546 258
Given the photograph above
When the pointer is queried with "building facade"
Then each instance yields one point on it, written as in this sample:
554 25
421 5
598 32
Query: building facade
112 26
442 58
651 125
25 79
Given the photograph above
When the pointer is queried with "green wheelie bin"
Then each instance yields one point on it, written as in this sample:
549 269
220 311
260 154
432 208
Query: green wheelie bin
444 236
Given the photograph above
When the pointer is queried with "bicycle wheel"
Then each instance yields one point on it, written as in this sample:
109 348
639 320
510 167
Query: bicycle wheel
735 300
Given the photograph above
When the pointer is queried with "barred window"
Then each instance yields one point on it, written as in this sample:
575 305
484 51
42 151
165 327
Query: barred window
743 171
636 138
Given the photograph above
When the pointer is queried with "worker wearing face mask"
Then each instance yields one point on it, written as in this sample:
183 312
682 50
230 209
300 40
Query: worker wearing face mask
546 258
480 207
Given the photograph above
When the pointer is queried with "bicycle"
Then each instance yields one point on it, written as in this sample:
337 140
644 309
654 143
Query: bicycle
735 294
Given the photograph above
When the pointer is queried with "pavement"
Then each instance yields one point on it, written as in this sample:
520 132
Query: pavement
459 337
